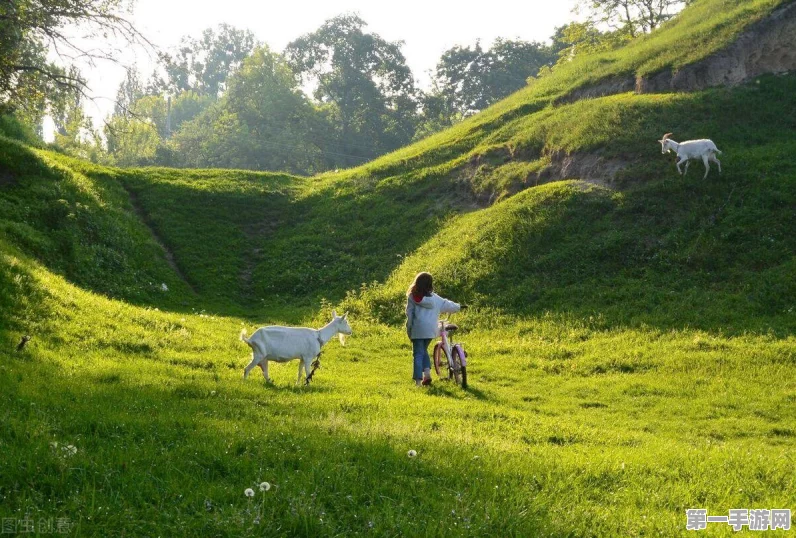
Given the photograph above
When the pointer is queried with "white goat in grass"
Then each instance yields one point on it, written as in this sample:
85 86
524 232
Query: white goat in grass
691 149
283 344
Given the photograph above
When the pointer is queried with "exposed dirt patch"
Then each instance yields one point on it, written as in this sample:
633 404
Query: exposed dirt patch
589 167
767 46
529 171
167 252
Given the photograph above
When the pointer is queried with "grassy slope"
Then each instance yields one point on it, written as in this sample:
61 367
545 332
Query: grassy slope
713 254
632 351
702 29
82 227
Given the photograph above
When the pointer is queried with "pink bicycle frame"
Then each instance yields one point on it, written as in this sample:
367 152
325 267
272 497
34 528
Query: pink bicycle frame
455 348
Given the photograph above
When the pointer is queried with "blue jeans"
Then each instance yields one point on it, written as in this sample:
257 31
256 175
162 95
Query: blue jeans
420 354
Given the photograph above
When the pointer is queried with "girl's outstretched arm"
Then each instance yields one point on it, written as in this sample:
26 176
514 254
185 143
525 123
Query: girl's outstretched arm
448 307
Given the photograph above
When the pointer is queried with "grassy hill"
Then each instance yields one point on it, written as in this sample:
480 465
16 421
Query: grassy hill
631 331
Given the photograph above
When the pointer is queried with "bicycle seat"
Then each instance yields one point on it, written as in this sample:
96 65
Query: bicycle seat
450 327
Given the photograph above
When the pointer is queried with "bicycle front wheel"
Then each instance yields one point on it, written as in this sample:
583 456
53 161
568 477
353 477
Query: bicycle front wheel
459 369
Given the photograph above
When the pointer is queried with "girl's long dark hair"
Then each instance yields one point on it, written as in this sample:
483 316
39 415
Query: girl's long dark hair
423 285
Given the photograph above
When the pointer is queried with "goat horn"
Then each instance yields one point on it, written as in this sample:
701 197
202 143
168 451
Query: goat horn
667 135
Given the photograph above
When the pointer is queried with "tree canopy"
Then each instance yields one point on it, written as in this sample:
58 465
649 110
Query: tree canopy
633 17
203 65
263 122
469 79
364 81
30 84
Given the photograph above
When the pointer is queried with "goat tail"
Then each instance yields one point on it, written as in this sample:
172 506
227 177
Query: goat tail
243 337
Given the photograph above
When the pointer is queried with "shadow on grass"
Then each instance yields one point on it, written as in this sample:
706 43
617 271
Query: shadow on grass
449 389
174 463
477 393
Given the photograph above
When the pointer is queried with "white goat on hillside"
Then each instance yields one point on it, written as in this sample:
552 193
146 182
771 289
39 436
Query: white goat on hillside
283 344
691 149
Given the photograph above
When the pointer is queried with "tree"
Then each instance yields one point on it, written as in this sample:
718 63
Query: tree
186 106
469 79
577 38
203 65
460 79
633 17
262 122
131 141
129 92
366 81
265 95
216 138
29 82
438 113
511 63
74 131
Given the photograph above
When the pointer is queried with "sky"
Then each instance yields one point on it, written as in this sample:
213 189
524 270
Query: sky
427 28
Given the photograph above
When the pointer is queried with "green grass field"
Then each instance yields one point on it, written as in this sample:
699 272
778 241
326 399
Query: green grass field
632 348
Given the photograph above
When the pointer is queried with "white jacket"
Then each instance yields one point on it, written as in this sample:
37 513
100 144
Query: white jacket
422 319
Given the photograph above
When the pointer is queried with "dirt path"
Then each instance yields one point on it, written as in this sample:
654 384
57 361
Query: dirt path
255 234
167 253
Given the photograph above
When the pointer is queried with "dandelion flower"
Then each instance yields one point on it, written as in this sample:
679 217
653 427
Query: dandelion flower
412 453
249 492
265 486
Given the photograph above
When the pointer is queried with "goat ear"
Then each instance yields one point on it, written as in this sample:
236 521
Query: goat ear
345 316
334 313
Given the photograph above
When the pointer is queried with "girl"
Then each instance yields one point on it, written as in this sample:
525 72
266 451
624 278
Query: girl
423 308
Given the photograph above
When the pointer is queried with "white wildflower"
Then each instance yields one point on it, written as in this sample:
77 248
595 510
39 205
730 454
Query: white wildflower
412 453
265 486
249 492
164 287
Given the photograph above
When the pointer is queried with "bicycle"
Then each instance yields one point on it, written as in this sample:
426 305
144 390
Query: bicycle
455 358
